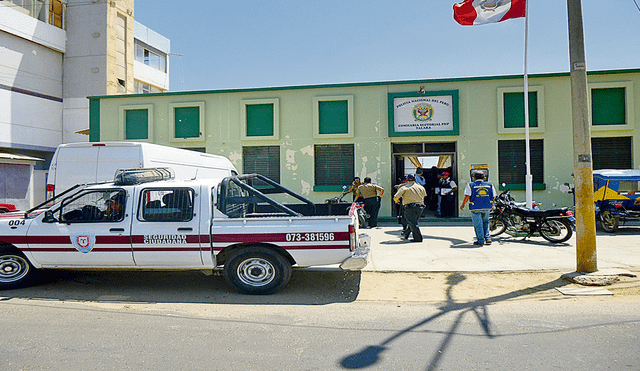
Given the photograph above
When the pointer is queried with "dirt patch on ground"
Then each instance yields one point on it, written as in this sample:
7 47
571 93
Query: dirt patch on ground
458 287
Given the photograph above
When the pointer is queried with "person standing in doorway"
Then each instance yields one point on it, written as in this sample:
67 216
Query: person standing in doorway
447 195
480 195
412 197
369 193
420 176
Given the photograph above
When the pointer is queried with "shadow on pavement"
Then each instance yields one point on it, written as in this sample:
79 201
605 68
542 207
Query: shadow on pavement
426 237
370 355
307 287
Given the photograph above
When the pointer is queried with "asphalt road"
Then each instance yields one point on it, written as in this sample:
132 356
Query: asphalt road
322 320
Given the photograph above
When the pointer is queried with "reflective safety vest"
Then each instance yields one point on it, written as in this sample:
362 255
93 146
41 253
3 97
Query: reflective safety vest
481 195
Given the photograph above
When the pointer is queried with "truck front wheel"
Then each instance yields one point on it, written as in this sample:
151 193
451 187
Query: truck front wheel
257 270
15 270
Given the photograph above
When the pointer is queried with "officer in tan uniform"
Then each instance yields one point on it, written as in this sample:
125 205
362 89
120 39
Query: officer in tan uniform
369 193
412 195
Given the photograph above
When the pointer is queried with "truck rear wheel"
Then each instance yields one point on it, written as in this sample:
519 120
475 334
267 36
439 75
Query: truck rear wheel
15 269
257 270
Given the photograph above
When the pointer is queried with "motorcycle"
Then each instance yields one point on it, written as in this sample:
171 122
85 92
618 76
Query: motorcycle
356 208
554 225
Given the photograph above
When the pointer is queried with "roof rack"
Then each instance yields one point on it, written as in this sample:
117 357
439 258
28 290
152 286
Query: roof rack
144 175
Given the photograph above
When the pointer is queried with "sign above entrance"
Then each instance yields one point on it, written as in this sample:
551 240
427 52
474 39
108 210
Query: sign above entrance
423 114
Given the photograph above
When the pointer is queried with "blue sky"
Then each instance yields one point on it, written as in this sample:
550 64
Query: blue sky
252 43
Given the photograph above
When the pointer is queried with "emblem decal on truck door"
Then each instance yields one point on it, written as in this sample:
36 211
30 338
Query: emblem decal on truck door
83 242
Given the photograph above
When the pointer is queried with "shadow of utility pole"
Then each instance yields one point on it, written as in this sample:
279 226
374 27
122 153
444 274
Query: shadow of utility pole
371 354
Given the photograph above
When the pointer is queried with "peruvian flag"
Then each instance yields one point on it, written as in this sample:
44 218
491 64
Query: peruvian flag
473 12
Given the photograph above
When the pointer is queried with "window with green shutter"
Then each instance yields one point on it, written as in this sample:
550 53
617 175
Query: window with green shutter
511 163
263 160
611 153
334 164
136 124
608 106
259 120
333 117
186 122
514 110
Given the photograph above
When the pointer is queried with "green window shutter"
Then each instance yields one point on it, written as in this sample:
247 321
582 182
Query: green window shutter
94 120
262 160
186 122
611 153
259 120
137 124
608 106
333 117
511 161
333 164
514 110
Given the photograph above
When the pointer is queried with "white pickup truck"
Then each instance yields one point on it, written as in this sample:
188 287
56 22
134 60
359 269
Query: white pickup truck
147 220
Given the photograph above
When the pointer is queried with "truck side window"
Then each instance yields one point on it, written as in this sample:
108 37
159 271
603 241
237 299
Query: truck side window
94 206
235 205
166 205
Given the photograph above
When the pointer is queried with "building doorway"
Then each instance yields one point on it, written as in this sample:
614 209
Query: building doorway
433 158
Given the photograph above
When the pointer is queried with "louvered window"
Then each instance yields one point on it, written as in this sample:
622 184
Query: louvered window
611 153
333 164
262 160
511 161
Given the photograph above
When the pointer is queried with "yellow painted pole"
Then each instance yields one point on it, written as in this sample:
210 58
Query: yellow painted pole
586 256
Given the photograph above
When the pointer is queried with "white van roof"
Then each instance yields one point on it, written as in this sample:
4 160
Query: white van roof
131 144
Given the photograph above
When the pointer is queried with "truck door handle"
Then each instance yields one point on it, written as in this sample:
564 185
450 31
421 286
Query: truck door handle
181 229
116 230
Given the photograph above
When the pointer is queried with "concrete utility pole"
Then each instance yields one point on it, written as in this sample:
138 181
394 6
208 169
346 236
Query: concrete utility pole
587 260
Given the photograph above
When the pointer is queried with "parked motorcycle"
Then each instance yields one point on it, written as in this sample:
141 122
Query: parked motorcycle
356 208
554 225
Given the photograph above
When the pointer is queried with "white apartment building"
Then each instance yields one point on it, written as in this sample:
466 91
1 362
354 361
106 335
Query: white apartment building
54 54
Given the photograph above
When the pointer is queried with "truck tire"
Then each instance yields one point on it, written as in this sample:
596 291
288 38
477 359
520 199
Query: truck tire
15 269
257 270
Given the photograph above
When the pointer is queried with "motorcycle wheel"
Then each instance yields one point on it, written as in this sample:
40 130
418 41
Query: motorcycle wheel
609 222
556 230
496 227
362 220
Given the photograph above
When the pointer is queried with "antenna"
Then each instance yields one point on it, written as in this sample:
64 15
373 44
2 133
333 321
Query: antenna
181 72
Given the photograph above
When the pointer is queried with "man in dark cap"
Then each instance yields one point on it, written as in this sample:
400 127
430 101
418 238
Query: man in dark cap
412 197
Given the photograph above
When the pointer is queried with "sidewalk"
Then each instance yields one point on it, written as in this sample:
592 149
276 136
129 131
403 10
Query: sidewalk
448 247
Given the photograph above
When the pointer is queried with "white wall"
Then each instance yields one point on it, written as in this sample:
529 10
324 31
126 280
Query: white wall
30 110
15 22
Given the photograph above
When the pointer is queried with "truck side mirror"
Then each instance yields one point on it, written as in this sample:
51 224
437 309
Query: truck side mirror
48 217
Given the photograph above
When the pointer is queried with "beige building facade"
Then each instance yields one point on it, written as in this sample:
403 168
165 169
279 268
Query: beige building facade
315 139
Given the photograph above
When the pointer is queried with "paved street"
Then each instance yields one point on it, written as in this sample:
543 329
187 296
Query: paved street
323 320
444 304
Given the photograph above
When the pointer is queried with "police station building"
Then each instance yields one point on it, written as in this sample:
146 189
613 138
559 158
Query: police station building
315 139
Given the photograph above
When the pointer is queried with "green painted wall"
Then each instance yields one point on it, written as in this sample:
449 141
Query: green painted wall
476 142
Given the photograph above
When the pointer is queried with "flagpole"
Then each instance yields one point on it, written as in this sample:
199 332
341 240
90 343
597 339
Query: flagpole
527 148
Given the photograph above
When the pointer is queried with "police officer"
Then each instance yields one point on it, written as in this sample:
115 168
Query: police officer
412 195
369 193
480 196
447 197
